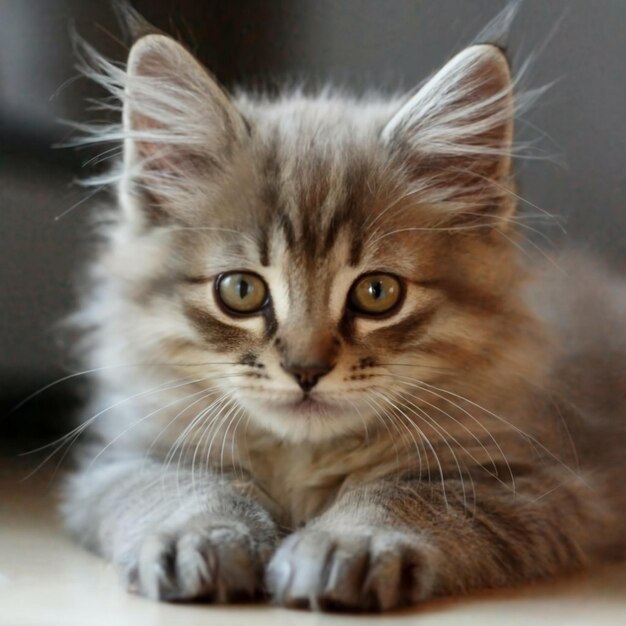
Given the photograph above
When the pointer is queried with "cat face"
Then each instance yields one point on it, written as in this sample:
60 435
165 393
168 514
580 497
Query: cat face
305 293
327 252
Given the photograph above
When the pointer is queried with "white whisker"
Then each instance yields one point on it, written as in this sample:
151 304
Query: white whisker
425 441
415 383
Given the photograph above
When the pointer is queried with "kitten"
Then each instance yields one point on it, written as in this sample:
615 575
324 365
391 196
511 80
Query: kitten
320 370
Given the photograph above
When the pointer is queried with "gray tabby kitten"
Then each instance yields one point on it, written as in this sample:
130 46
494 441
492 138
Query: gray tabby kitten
320 369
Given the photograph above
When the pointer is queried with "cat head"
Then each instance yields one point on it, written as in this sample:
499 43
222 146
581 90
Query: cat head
324 256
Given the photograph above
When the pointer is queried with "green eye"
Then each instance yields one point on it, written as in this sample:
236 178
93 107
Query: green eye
375 294
241 293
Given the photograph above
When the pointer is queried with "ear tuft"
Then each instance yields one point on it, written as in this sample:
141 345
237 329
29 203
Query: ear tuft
132 23
454 135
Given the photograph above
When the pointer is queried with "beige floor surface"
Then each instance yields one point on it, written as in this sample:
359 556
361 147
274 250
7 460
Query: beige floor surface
46 580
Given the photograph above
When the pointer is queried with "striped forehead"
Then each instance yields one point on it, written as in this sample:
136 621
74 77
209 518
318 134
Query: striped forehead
314 205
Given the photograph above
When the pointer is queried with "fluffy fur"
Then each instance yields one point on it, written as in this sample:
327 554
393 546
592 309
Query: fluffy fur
452 445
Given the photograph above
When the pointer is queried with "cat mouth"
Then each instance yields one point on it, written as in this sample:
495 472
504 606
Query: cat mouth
305 406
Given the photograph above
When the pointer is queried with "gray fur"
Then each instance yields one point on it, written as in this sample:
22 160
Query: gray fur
451 445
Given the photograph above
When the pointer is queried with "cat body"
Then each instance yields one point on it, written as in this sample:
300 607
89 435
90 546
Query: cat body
321 368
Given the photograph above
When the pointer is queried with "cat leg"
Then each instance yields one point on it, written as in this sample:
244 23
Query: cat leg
172 535
392 544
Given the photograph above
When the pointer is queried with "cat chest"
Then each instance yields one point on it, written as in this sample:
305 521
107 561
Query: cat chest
294 486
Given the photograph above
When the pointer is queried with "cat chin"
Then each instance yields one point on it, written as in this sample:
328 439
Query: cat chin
305 419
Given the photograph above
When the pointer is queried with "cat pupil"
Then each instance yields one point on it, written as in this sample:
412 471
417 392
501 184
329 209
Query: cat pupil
244 288
376 289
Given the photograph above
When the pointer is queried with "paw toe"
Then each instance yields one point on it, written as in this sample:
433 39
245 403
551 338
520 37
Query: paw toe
217 564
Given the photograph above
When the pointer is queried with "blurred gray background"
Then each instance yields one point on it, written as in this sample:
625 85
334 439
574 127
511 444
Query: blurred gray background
390 44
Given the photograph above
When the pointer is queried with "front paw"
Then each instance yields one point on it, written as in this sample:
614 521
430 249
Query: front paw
206 559
360 570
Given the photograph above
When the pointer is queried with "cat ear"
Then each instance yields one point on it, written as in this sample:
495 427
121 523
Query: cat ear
178 122
454 135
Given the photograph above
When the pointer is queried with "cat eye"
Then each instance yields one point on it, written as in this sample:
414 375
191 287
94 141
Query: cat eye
241 293
375 294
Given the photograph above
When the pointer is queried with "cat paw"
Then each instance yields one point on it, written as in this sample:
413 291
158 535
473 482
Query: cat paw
207 560
355 571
